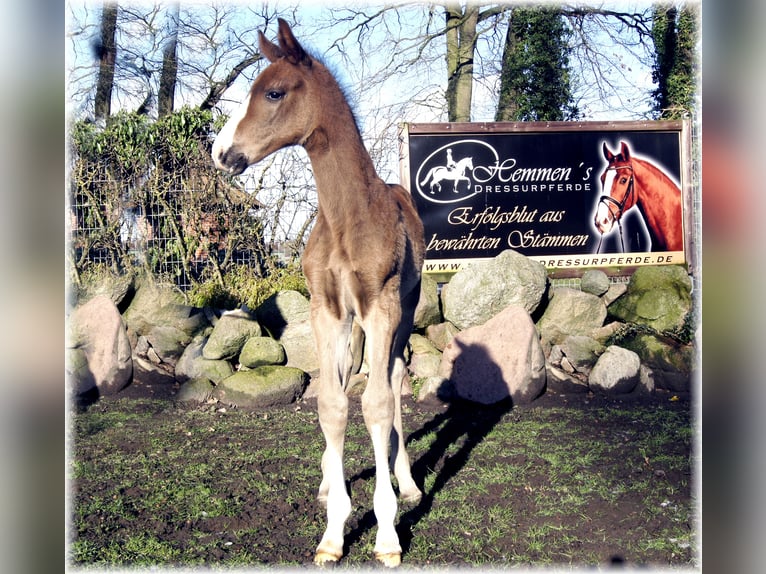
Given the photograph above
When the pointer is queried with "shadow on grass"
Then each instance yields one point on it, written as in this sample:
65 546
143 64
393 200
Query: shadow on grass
464 423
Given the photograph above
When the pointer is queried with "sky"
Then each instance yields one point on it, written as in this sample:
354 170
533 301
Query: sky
413 94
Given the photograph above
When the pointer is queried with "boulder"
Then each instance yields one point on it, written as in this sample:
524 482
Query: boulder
287 317
672 364
436 390
144 308
230 334
104 359
300 348
595 282
581 352
565 383
441 334
425 358
282 309
615 291
168 342
480 291
196 391
657 296
264 386
427 312
79 379
115 286
499 359
571 312
193 365
259 351
617 371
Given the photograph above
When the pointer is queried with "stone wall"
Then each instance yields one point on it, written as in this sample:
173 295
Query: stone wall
497 330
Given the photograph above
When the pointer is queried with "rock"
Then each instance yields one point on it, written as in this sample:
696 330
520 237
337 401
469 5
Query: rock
282 309
425 365
116 287
561 382
196 391
144 308
230 334
168 342
603 333
425 358
427 312
151 374
657 296
97 330
259 351
498 359
300 348
79 379
436 389
617 371
571 312
440 335
193 365
481 290
595 282
646 384
672 363
262 387
287 317
581 351
616 290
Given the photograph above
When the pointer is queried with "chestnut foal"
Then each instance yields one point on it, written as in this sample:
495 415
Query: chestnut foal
362 264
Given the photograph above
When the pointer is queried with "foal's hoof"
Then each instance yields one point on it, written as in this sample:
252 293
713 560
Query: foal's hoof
411 498
326 559
389 559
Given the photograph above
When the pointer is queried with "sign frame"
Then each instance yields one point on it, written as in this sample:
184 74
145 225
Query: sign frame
460 132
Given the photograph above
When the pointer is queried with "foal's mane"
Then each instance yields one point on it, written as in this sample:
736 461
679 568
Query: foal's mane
338 75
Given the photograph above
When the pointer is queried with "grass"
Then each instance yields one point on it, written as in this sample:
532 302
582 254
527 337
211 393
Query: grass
155 484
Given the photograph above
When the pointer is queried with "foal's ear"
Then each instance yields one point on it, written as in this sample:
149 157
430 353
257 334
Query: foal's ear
269 50
290 47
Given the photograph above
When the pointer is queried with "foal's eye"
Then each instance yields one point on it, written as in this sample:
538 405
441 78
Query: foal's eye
274 95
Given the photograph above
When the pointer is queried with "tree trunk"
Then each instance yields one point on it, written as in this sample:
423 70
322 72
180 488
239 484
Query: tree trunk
461 44
169 75
106 51
507 105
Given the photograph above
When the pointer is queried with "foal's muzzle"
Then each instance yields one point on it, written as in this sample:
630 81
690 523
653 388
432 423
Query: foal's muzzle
230 160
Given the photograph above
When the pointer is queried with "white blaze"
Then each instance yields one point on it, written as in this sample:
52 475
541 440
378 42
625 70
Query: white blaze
604 218
225 138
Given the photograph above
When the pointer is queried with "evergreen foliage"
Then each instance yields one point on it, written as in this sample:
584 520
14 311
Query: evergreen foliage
675 34
536 77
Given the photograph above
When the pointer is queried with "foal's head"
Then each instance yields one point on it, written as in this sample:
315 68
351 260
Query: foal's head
617 186
279 110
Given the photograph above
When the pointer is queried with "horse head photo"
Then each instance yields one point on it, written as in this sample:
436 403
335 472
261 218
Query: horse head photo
629 181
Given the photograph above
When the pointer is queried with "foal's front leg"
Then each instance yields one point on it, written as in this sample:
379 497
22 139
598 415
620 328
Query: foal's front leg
332 338
378 410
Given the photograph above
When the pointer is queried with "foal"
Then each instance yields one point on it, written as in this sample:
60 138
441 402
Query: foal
362 263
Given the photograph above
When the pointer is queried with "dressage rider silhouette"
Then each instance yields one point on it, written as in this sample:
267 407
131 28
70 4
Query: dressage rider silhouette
451 165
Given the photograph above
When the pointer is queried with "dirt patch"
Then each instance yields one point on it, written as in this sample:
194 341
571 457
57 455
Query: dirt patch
571 479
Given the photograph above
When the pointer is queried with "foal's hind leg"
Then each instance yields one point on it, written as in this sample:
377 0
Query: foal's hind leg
332 338
400 462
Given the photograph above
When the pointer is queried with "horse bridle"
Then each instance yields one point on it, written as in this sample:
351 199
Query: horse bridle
611 202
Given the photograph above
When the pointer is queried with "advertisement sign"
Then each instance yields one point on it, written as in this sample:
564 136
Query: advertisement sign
570 195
